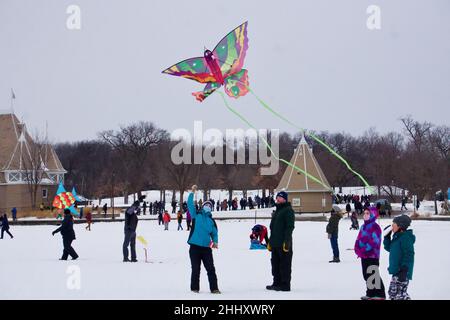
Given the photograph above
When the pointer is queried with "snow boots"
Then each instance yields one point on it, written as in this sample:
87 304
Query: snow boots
335 260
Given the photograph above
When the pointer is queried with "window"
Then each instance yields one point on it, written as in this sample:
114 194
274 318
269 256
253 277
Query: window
44 193
14 177
27 176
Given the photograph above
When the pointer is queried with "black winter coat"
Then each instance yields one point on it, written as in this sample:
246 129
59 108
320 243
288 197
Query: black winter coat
66 228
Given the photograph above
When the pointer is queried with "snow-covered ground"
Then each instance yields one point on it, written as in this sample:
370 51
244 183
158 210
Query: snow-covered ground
31 269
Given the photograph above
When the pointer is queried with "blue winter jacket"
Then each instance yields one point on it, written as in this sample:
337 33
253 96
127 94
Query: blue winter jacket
203 226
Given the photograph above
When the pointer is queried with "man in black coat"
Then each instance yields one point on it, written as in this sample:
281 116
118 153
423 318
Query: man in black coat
68 235
280 243
131 221
5 226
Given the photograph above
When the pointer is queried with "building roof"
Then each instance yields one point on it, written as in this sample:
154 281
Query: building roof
295 181
16 147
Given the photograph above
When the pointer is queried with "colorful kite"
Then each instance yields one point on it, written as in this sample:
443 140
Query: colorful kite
65 200
223 67
220 67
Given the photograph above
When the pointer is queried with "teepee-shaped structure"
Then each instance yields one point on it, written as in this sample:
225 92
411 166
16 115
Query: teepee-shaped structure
305 194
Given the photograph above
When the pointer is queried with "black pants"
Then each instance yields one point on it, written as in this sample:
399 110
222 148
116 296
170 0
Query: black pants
281 267
7 231
130 240
198 255
68 250
372 290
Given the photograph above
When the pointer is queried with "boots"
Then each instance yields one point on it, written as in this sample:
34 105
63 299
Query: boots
335 260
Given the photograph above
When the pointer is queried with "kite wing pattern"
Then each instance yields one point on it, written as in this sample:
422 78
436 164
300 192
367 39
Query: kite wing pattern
237 84
194 68
231 50
208 90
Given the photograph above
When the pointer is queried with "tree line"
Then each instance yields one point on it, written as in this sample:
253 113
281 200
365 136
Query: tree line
137 157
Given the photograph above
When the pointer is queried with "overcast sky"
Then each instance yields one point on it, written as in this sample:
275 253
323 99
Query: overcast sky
314 61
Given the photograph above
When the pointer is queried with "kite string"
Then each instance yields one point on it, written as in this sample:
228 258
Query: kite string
234 111
267 107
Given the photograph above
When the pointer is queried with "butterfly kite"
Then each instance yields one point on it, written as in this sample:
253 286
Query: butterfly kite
220 67
65 200
223 66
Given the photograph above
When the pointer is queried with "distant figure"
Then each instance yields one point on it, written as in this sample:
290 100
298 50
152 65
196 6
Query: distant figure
144 207
348 209
68 235
166 219
174 206
180 220
160 218
14 213
5 226
88 220
354 220
403 204
41 206
105 208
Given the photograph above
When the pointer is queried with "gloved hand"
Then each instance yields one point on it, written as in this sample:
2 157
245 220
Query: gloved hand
329 236
269 247
286 246
402 275
215 245
387 231
53 233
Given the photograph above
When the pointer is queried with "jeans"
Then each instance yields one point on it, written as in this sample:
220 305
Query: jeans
130 240
334 245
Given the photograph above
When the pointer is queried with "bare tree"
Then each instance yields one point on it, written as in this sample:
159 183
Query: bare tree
133 143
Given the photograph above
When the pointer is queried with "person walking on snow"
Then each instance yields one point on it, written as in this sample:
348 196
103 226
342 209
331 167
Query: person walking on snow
280 243
367 247
180 220
401 257
333 231
5 226
166 219
131 222
202 238
68 235
88 220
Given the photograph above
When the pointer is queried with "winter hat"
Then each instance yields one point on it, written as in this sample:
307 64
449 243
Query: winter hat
136 203
66 211
403 221
207 204
282 194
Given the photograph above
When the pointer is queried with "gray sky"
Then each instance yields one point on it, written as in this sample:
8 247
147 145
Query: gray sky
314 61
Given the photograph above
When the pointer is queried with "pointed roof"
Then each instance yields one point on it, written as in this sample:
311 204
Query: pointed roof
294 181
16 144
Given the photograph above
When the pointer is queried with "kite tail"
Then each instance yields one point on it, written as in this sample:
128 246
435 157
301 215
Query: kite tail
269 147
338 156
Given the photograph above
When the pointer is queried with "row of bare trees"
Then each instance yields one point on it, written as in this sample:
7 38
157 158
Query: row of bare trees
138 157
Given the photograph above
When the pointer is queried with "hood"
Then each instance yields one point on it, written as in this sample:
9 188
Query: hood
407 234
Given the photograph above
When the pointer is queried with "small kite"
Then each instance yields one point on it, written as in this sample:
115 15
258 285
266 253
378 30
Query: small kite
144 242
220 67
65 200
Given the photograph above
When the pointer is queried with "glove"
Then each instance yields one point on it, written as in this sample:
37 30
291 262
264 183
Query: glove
329 236
286 246
387 231
53 233
269 247
402 274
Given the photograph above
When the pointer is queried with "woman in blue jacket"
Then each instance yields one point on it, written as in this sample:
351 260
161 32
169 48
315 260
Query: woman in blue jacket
203 233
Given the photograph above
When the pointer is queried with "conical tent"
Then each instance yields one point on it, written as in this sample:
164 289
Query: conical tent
305 194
